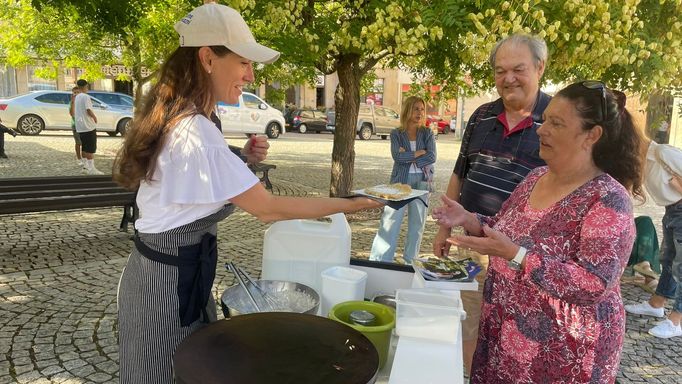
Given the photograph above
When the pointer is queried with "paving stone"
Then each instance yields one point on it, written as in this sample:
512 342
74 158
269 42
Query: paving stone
73 364
83 371
100 377
51 370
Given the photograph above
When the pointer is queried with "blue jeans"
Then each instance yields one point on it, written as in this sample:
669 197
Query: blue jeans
671 256
385 242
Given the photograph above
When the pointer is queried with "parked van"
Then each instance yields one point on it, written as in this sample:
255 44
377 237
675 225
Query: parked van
251 115
372 120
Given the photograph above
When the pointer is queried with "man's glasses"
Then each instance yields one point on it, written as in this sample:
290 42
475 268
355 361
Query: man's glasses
598 85
499 159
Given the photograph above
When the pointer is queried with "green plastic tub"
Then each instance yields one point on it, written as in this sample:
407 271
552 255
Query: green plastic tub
379 333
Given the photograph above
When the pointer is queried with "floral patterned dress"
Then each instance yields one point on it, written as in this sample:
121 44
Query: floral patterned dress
561 318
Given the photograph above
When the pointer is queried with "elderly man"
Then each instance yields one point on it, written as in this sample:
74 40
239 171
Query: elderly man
499 148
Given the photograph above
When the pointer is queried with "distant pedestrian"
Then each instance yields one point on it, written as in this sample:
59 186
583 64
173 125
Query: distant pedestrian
4 130
86 126
77 138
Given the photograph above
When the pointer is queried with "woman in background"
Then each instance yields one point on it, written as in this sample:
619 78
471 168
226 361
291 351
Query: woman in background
414 152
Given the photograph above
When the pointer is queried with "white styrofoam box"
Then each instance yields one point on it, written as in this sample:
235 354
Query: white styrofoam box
419 282
426 362
341 284
429 314
299 250
381 279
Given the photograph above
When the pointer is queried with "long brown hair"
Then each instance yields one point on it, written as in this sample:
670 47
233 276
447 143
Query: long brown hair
183 89
617 152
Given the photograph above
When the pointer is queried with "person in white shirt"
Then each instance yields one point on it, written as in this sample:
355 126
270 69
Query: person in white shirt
86 127
188 181
662 163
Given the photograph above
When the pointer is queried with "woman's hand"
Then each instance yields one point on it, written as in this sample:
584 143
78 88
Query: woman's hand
493 243
256 149
451 213
418 153
401 149
365 203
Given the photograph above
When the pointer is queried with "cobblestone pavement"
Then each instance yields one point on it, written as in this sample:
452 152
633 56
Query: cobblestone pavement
59 271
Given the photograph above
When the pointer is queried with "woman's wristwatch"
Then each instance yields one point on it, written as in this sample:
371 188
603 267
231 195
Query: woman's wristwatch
515 263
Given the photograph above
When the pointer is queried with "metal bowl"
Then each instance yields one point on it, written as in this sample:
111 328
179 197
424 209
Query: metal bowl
385 299
235 301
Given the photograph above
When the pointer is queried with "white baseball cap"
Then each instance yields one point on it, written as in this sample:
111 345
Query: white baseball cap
217 24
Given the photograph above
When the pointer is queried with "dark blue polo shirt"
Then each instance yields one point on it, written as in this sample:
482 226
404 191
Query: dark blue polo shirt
490 165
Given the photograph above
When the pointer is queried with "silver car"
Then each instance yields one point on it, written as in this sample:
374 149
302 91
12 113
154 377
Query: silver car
33 112
114 99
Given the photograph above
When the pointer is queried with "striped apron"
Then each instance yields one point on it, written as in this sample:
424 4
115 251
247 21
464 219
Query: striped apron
164 295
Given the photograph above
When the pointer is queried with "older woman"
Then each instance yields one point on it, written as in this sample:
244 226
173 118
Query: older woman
188 181
552 309
414 152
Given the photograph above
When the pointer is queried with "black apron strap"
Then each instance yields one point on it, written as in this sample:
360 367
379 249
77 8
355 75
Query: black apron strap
196 271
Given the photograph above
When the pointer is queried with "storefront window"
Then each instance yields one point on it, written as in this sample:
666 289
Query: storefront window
376 95
71 75
36 83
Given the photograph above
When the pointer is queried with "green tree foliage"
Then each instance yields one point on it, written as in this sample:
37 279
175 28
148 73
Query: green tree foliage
347 37
49 38
633 45
137 33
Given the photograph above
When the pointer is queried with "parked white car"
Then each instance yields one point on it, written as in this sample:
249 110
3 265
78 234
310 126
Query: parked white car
372 120
251 115
33 112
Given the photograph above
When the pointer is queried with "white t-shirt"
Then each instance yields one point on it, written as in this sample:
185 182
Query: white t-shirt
413 167
84 123
196 175
656 178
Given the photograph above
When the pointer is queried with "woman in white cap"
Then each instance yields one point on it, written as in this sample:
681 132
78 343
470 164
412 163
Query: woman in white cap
189 180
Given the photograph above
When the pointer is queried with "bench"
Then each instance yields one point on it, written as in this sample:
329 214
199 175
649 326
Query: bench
41 194
59 193
263 169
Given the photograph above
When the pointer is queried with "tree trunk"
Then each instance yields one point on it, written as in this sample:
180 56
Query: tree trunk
138 79
347 104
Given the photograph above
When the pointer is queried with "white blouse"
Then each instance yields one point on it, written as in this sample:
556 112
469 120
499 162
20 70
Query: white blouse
656 178
196 175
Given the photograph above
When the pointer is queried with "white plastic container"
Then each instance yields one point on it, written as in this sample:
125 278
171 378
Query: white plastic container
299 250
426 362
340 284
429 314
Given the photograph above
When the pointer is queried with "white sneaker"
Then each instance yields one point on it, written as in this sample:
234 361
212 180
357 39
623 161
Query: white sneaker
95 171
645 309
666 329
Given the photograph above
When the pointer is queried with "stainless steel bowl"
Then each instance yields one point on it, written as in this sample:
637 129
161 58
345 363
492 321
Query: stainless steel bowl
235 301
385 299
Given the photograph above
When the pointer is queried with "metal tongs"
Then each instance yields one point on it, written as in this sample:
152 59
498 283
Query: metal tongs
243 279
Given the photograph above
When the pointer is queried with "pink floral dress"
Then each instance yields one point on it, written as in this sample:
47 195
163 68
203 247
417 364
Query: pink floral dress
561 318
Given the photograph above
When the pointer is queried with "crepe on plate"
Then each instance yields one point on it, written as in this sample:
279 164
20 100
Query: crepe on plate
395 191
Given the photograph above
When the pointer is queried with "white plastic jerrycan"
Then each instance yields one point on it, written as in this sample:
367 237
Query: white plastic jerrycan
299 250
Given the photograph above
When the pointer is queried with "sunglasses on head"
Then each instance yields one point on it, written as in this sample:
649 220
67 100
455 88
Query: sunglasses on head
598 85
